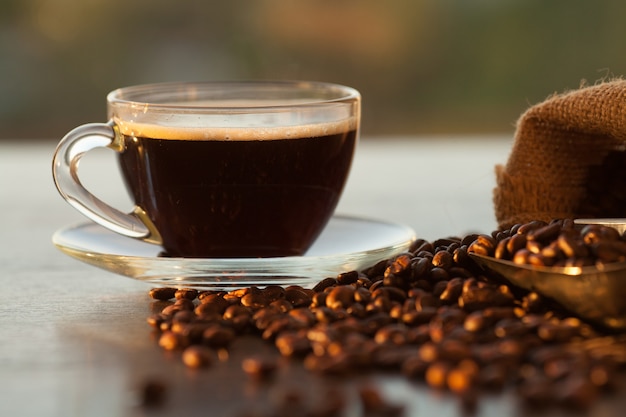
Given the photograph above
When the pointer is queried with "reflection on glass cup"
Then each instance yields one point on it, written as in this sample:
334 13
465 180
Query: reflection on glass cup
221 169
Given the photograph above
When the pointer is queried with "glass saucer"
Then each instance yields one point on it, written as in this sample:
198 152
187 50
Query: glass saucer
348 243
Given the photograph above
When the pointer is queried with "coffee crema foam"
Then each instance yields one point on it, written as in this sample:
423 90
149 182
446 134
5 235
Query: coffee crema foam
145 130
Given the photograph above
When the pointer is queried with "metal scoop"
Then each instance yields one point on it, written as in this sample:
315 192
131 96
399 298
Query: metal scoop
618 224
594 293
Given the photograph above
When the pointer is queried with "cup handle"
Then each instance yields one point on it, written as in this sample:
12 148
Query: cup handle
65 173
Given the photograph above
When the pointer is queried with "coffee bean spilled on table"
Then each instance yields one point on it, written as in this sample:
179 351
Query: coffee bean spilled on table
430 314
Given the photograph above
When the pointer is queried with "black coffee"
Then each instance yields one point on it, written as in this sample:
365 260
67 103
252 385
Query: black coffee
235 197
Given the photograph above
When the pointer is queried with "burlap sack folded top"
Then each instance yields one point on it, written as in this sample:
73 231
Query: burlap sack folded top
568 158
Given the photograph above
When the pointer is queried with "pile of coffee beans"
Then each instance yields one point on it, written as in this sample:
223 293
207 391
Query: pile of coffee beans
558 243
430 314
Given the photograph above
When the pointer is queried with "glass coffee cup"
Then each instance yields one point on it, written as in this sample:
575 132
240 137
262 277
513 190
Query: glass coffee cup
220 169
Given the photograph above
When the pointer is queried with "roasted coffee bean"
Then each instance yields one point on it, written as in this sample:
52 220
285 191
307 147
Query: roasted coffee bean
207 293
302 315
418 335
452 291
483 297
162 293
193 331
468 239
595 233
318 299
460 272
260 317
259 367
327 314
534 247
235 310
483 245
324 333
211 309
571 246
325 283
438 274
476 321
170 310
293 343
437 374
417 317
298 297
438 288
445 321
380 304
443 259
273 293
210 297
462 260
217 336
197 356
429 352
186 294
445 242
281 324
422 245
155 320
153 393
281 305
377 269
183 316
363 281
347 278
502 251
533 303
255 300
377 284
391 293
425 300
420 267
235 295
394 333
505 328
362 295
173 341
515 243
462 378
184 304
545 233
392 280
400 265
526 228
609 251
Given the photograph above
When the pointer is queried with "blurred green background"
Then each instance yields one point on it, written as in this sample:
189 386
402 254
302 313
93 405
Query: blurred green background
423 66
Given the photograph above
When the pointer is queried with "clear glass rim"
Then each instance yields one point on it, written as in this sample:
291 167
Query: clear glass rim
311 93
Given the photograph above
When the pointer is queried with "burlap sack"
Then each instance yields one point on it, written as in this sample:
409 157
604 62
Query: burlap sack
568 158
